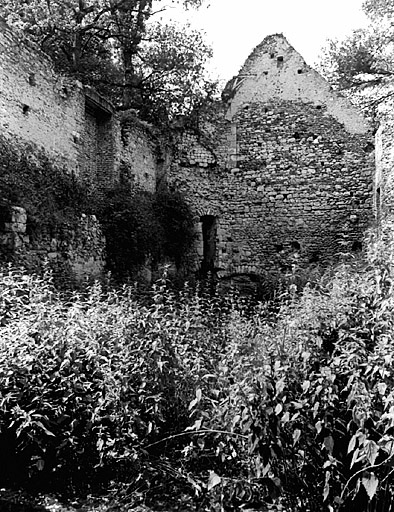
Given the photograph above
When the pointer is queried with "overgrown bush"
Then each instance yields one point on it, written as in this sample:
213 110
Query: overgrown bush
88 383
143 227
52 197
283 408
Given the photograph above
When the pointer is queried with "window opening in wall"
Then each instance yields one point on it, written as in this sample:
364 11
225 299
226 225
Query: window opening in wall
209 229
25 109
357 246
318 107
378 200
295 246
314 258
32 79
299 71
272 55
280 58
369 147
278 247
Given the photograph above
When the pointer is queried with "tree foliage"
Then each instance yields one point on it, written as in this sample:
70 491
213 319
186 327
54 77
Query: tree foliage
367 51
112 45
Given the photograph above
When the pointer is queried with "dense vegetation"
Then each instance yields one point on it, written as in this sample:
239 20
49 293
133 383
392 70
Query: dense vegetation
141 228
362 63
203 397
118 47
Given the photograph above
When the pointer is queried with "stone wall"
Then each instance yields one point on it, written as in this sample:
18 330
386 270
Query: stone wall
78 129
80 132
74 253
139 154
384 177
37 105
290 178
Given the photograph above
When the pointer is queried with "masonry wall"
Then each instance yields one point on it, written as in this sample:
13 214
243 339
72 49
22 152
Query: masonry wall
290 179
81 133
74 253
38 106
139 155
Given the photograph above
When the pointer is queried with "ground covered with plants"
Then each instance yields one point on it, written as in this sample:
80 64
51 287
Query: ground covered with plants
118 400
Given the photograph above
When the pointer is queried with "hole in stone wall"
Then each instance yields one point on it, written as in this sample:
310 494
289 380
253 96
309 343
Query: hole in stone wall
285 196
32 79
280 58
314 258
25 109
369 147
278 247
265 72
318 107
357 246
272 55
209 243
297 136
299 71
295 246
378 200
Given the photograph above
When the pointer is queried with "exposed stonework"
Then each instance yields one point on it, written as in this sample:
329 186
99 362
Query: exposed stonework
78 131
38 106
384 177
75 253
290 178
279 172
77 128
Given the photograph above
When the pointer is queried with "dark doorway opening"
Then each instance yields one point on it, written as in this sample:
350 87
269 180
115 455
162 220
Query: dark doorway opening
209 229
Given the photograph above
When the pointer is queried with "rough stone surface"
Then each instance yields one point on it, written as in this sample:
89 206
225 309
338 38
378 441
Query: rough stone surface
80 132
290 177
278 173
75 253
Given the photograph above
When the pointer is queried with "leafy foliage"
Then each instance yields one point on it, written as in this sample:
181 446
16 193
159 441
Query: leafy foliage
25 179
111 45
141 226
232 406
366 56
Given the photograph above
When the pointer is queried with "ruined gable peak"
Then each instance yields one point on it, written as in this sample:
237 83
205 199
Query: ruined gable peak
276 71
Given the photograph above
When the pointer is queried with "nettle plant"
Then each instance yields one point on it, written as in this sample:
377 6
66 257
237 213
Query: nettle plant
284 406
305 409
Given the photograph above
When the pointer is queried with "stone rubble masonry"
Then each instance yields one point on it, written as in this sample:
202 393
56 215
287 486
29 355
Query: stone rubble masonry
79 131
290 178
38 106
283 164
76 253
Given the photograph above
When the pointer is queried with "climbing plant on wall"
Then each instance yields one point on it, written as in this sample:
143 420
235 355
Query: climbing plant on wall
51 196
144 228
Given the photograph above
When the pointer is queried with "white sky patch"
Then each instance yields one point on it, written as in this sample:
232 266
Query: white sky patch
234 28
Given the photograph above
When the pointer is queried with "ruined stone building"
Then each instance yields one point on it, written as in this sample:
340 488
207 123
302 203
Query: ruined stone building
280 171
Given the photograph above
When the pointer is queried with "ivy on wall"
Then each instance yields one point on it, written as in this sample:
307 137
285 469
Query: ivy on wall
52 197
140 227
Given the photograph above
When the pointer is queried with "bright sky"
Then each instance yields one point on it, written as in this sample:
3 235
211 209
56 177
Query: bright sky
235 27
